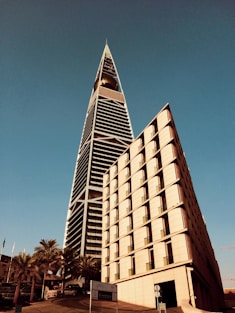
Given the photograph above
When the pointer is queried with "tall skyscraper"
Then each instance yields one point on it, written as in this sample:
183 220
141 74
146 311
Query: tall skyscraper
106 134
155 241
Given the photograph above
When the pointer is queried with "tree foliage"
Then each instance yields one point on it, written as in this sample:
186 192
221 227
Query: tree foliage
21 264
69 265
89 268
48 258
34 274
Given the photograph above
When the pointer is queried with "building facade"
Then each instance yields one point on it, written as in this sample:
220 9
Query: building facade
155 240
106 134
5 262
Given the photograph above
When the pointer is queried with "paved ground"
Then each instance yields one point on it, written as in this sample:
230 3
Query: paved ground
80 304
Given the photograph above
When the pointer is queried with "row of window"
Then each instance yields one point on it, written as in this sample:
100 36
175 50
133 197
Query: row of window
150 263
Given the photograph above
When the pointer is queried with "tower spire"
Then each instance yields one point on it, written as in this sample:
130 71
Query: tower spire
106 134
107 74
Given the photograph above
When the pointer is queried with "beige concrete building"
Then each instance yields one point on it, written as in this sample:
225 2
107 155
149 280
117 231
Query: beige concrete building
154 235
4 267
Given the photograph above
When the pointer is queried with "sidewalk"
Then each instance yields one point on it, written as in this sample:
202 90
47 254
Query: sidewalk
80 304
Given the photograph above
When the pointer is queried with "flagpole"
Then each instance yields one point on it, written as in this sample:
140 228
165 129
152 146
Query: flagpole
2 247
9 270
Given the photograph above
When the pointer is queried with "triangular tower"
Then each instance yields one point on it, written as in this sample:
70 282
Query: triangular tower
106 134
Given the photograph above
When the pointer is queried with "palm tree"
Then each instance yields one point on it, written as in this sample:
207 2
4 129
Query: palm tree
89 268
21 264
49 256
35 274
70 265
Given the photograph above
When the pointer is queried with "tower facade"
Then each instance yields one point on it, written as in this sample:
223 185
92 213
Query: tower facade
155 241
107 132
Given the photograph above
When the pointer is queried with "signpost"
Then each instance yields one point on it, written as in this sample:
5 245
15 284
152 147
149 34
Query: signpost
159 304
157 295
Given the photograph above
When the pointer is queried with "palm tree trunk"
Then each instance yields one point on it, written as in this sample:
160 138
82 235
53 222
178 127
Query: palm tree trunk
32 290
17 292
63 281
43 286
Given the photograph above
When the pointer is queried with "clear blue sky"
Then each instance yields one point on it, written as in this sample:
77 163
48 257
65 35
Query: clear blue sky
181 52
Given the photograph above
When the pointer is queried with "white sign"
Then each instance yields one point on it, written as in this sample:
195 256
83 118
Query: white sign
162 306
102 291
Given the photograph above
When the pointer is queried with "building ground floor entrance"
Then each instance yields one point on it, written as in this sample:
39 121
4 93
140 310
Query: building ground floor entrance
168 294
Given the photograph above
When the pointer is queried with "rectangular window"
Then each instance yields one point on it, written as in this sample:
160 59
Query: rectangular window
169 252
